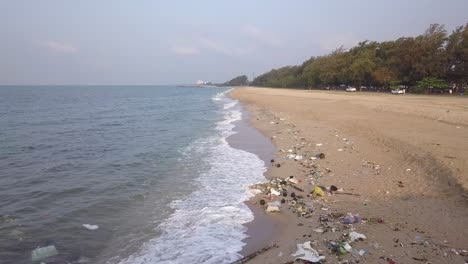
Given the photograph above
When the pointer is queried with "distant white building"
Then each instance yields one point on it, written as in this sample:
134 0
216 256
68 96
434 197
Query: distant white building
201 82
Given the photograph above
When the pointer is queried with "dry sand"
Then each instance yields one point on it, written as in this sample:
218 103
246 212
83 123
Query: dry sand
404 156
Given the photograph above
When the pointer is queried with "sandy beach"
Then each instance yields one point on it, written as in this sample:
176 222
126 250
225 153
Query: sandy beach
399 162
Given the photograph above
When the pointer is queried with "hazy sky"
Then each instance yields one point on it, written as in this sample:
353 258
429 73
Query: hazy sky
169 42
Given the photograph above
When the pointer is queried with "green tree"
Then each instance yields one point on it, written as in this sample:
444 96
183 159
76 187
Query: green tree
238 81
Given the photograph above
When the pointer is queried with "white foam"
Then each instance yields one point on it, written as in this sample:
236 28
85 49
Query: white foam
206 227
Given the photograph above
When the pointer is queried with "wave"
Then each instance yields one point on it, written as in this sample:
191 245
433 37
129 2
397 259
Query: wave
207 225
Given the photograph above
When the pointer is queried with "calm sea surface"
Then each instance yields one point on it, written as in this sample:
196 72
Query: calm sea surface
149 165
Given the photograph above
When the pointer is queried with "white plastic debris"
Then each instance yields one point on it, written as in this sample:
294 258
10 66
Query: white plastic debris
298 157
255 191
318 144
353 236
313 158
275 203
347 247
292 180
91 227
340 149
306 252
318 230
290 150
44 252
272 208
275 192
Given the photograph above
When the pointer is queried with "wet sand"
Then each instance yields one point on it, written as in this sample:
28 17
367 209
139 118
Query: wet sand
249 139
403 156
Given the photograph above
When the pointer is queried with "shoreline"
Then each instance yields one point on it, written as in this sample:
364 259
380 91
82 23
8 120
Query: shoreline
404 185
248 138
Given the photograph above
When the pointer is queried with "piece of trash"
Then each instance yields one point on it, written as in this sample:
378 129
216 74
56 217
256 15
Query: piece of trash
292 179
256 191
262 202
275 192
44 252
408 169
278 165
91 227
313 158
354 236
253 255
333 188
362 252
318 230
306 252
340 149
390 261
318 191
318 144
320 156
347 247
298 157
272 209
351 219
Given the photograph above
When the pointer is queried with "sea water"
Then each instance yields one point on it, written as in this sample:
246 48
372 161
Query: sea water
149 165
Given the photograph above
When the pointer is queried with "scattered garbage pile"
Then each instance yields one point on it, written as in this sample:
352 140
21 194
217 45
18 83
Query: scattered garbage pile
331 236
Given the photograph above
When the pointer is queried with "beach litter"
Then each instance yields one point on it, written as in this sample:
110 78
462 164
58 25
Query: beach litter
273 207
320 156
274 192
306 252
292 179
253 255
351 219
318 191
43 253
91 227
355 236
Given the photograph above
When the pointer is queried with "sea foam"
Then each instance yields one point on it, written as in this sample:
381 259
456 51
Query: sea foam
207 225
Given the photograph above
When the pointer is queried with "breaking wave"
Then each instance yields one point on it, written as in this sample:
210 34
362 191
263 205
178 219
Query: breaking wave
207 225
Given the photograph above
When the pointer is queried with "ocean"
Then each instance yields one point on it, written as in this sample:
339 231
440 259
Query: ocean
149 166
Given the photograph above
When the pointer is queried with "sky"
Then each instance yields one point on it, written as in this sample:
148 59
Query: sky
179 42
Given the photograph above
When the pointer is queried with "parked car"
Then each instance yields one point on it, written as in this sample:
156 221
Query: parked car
350 89
398 91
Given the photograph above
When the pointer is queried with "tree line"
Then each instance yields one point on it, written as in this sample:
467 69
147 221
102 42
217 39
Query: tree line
434 59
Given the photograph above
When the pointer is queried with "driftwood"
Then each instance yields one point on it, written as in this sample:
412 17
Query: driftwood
346 193
297 188
253 255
